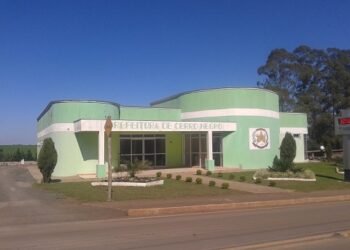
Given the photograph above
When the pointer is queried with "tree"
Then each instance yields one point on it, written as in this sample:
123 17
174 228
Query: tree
47 159
287 155
316 82
18 155
29 155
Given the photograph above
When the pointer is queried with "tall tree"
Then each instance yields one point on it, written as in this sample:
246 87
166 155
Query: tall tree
313 81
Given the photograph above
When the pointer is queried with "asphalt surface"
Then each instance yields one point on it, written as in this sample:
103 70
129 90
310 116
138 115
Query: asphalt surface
34 219
21 204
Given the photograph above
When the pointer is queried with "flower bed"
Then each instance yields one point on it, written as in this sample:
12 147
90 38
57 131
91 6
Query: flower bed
131 182
306 175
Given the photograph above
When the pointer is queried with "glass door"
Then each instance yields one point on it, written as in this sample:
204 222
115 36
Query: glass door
196 149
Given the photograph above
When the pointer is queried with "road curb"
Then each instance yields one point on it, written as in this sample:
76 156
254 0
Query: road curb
143 212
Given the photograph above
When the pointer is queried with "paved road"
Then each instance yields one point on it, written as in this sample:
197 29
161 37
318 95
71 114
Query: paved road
22 204
206 231
34 219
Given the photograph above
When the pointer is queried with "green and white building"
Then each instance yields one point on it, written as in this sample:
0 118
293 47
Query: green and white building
226 127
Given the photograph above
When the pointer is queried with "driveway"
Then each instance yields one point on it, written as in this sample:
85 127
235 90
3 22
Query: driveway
20 203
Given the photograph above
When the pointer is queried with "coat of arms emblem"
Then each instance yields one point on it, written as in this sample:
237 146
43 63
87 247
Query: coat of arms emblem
260 138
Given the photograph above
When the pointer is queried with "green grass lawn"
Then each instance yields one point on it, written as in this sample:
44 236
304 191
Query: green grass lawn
83 191
326 179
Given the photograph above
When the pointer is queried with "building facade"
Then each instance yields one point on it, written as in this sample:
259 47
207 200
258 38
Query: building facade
227 127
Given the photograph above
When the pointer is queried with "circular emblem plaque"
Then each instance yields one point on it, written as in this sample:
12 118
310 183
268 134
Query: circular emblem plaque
260 138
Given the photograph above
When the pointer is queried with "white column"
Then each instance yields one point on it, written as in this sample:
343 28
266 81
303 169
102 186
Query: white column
210 145
101 147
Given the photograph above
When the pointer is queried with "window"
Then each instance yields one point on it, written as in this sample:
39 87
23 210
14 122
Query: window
148 147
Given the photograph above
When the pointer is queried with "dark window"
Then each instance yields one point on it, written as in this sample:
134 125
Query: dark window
125 146
149 146
136 146
160 145
160 159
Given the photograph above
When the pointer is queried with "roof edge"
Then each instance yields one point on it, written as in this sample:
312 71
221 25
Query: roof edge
68 101
204 90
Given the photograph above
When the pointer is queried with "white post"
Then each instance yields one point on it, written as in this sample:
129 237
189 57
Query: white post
101 147
210 145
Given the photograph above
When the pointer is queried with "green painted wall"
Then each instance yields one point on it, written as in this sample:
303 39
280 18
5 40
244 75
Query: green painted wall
77 153
295 120
71 111
224 98
174 149
149 114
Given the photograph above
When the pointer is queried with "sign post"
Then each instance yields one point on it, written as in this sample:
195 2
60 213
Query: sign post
342 127
108 131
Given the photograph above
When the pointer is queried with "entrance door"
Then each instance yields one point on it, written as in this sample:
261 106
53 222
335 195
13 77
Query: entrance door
195 149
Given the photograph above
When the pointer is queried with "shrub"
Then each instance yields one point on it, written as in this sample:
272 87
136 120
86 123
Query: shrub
199 180
220 174
199 172
287 153
272 183
257 181
135 167
47 159
242 178
225 185
208 173
188 179
264 174
159 174
168 176
288 149
178 177
231 176
212 183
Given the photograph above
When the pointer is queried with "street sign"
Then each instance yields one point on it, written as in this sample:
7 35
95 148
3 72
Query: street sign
342 127
108 126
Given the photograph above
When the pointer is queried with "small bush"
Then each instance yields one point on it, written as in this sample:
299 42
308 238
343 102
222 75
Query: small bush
199 172
208 173
199 180
220 174
231 176
272 183
257 181
188 179
212 183
178 177
168 176
159 174
225 185
242 178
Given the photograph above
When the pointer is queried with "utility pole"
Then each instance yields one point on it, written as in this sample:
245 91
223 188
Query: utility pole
108 132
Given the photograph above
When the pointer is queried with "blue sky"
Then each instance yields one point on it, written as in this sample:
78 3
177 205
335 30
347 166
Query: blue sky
135 52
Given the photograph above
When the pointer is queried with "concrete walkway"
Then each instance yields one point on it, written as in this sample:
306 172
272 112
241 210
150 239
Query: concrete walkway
240 186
